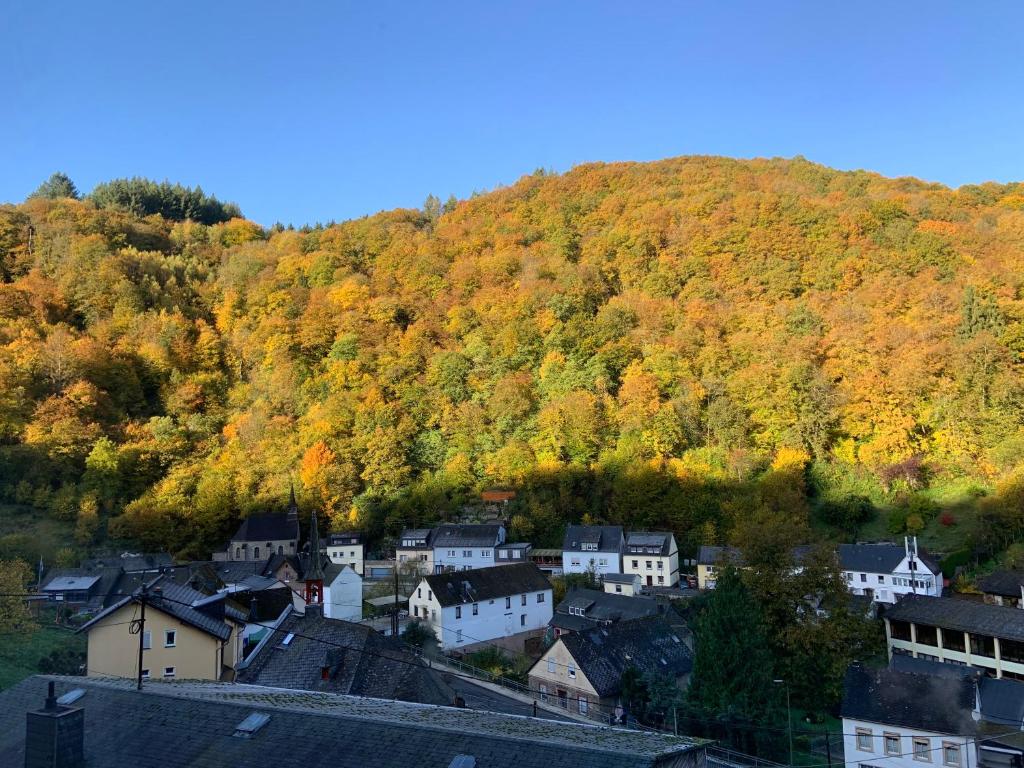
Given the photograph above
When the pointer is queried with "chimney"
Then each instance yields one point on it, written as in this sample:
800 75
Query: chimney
325 673
55 735
314 609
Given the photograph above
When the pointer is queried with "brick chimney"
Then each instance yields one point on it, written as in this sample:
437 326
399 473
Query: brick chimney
55 735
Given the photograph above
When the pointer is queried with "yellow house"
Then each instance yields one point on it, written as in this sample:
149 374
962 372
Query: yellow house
187 635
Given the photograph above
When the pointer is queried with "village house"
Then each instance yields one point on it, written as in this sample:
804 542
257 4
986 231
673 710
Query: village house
583 671
595 549
622 583
262 535
917 711
886 572
584 609
415 549
108 723
314 653
465 608
956 631
343 593
187 635
465 547
1003 588
653 556
347 549
548 560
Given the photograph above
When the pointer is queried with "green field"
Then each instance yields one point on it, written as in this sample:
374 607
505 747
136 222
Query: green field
20 652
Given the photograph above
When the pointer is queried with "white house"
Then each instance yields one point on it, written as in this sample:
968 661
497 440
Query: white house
483 604
346 549
887 572
595 548
343 593
919 711
653 556
465 547
622 583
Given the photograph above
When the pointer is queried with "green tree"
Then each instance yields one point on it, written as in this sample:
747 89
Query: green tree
15 576
57 186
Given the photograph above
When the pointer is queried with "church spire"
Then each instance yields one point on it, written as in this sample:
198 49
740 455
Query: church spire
314 575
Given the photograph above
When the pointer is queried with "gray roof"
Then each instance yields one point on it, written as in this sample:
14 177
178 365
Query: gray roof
76 583
708 555
458 587
608 538
132 562
419 534
360 661
879 558
267 527
620 578
204 612
965 615
1002 701
648 645
601 607
928 702
515 545
192 725
1003 583
339 539
644 540
467 536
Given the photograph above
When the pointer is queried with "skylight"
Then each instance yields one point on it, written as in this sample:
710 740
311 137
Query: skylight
288 638
248 727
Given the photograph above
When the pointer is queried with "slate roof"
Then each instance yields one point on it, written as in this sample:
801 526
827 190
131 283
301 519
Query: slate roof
620 578
1004 583
1002 701
204 612
937 703
607 537
191 725
131 562
649 645
879 558
600 607
467 536
361 662
649 539
108 577
67 582
459 587
425 535
708 555
965 615
268 527
341 539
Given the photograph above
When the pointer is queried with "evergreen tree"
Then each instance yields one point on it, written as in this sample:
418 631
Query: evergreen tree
58 185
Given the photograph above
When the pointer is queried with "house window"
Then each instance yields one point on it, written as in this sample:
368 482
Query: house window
661 565
551 666
661 579
922 749
543 692
256 553
147 640
892 743
523 599
238 553
416 611
508 602
503 554
881 579
458 635
583 704
476 609
636 563
602 561
864 740
575 561
540 597
170 638
485 553
927 635
951 754
572 670
145 674
419 592
900 630
280 549
467 553
863 577
983 646
648 564
458 611
168 671
430 595
618 587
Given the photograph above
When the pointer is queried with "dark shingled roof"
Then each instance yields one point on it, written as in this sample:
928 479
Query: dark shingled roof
1003 583
458 587
600 607
267 527
1002 701
649 539
937 703
466 536
607 537
879 558
361 662
132 562
722 555
965 615
192 725
603 654
204 612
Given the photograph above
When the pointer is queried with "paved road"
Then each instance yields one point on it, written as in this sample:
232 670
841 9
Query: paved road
478 697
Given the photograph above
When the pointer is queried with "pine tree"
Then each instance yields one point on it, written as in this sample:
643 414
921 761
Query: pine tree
57 186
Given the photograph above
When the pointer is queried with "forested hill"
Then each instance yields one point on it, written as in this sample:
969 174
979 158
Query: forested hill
695 343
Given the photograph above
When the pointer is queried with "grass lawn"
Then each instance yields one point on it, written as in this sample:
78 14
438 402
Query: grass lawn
20 651
45 534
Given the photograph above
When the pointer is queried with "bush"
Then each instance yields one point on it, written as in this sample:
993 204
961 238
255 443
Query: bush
418 634
897 521
915 524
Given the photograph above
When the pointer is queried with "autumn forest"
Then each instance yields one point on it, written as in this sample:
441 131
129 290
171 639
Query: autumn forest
713 346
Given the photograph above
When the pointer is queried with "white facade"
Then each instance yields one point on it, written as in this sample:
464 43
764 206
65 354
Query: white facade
463 558
873 744
342 552
912 576
647 562
343 597
591 560
460 625
622 584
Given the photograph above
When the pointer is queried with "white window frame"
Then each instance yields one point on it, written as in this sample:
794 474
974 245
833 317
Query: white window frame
886 737
170 638
551 666
582 704
953 746
147 640
169 674
571 669
862 735
924 755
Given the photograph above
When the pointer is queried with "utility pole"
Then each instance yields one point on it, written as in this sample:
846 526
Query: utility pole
789 718
675 721
828 747
142 634
394 611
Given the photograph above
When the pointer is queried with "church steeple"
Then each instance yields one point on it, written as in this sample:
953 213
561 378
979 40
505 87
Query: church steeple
293 506
314 576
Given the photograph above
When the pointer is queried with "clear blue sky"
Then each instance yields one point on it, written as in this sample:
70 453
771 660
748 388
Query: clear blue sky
303 111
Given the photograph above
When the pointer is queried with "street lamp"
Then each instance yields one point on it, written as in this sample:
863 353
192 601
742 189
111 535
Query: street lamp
789 718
